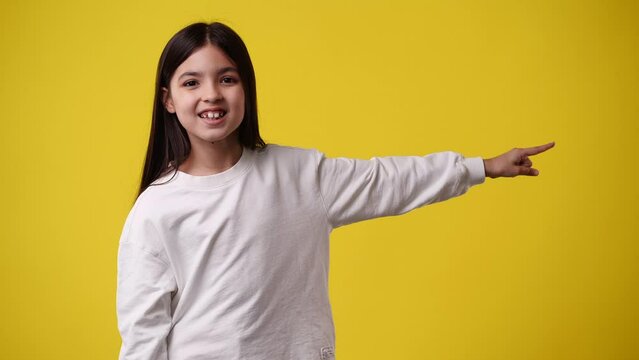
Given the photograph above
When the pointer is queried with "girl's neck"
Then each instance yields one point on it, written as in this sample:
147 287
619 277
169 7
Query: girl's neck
209 159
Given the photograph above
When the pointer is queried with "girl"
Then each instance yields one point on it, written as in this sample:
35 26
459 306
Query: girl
224 254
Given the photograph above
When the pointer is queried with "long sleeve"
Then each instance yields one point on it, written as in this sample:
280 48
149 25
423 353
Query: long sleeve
145 286
355 190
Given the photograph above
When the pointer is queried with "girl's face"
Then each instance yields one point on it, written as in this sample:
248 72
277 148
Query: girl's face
207 96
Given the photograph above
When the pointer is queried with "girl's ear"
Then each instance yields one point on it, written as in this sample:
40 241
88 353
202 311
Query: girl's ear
167 101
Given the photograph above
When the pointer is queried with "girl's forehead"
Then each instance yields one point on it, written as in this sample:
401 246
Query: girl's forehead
208 56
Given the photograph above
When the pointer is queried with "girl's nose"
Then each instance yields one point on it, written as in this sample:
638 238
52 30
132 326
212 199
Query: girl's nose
212 93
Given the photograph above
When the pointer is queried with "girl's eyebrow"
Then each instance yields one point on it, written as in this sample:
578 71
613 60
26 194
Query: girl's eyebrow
197 73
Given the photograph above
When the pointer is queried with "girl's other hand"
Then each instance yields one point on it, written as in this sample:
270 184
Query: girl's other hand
515 162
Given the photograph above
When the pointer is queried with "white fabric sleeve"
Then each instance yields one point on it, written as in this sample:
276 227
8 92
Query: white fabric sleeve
355 190
144 290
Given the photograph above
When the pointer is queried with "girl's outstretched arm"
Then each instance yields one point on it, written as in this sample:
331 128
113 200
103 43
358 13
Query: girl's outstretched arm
354 190
515 162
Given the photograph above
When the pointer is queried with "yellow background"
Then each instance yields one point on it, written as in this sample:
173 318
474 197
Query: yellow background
525 268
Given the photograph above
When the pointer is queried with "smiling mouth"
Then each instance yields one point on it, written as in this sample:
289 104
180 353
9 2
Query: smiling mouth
218 114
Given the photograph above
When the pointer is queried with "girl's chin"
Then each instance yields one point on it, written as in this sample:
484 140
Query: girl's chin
229 140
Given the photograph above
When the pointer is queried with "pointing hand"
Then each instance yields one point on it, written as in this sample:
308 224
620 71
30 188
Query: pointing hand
515 162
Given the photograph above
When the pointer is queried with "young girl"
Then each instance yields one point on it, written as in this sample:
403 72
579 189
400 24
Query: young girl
224 254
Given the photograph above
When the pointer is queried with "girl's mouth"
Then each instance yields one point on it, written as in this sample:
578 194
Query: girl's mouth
215 115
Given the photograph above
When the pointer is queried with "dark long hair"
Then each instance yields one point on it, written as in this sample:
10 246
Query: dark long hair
169 144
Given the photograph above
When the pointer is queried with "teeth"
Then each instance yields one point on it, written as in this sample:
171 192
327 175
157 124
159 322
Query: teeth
213 114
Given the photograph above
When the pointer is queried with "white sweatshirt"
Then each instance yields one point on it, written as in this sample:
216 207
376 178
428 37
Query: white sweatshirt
235 265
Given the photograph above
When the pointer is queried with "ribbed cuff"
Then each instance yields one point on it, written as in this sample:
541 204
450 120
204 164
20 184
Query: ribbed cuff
475 166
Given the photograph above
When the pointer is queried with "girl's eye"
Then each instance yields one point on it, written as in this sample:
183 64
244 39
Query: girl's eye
190 83
228 80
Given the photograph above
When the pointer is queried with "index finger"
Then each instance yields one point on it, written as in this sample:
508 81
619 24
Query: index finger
538 149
